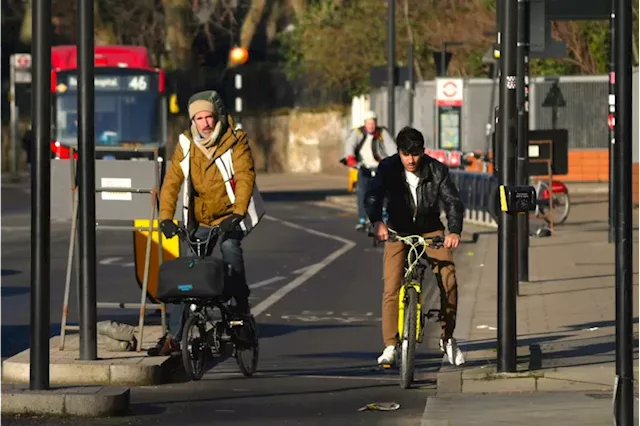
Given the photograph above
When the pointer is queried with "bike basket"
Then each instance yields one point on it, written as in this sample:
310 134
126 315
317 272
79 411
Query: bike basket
188 277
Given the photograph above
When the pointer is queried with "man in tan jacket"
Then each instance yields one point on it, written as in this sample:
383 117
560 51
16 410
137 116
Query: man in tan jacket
211 134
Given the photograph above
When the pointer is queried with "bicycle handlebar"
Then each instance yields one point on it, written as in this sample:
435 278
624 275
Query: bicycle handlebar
434 242
184 236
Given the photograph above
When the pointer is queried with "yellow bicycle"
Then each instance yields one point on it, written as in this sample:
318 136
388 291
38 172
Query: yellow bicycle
411 319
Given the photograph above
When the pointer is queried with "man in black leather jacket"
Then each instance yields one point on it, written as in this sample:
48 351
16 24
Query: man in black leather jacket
415 185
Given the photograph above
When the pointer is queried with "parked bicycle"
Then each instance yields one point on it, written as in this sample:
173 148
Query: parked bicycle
198 282
553 204
411 319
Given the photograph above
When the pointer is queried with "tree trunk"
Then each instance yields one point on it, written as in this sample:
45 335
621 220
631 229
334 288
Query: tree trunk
250 24
298 7
272 21
104 32
178 15
25 30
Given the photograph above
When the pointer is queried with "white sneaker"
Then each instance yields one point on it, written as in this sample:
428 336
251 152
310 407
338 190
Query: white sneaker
454 353
388 355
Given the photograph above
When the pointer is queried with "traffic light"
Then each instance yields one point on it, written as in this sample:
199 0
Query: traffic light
238 55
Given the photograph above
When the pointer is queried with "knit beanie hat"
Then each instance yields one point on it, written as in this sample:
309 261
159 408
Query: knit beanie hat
198 103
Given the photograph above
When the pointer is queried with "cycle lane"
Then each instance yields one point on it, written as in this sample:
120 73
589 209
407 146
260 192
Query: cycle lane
319 342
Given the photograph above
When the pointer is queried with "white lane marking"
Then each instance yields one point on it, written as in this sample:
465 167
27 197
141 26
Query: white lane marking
266 282
114 261
310 272
303 269
16 228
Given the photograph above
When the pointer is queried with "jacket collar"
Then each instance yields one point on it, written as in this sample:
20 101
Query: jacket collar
225 142
425 168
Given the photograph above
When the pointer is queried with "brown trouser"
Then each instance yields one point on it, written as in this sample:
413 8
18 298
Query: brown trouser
441 262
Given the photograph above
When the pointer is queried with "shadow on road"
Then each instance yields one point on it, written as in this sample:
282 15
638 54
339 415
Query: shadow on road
9 291
16 338
276 330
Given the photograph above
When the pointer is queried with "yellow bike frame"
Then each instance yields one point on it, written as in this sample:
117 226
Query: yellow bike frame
401 308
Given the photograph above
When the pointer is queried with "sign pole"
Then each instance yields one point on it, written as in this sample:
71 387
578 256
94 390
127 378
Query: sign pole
13 168
87 183
41 199
238 104
611 120
507 273
411 83
391 62
624 216
523 130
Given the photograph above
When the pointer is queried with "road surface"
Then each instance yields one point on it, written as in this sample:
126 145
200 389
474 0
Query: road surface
316 287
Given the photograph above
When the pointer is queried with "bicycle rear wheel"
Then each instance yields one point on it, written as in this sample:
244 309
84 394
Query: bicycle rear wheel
248 348
194 347
561 205
409 338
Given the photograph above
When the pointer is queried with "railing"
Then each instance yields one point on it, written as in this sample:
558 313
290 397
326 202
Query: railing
475 192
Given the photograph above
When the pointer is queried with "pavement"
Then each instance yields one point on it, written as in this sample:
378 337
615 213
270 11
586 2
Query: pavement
320 326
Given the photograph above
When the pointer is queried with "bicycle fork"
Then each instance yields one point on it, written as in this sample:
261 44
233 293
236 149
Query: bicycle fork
402 302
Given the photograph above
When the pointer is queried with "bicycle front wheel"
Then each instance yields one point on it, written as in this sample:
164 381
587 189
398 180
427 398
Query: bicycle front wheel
409 338
248 348
194 347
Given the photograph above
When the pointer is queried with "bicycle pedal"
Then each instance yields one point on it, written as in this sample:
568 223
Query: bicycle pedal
235 323
385 366
433 315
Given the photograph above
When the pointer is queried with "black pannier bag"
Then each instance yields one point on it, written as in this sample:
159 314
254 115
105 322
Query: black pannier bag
187 277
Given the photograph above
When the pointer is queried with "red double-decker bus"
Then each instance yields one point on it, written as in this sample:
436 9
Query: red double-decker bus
130 101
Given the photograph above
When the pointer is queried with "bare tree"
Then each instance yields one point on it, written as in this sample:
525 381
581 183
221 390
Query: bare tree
179 24
250 24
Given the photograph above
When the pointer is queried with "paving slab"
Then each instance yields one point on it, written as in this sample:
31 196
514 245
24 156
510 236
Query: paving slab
493 384
85 401
565 314
524 409
111 368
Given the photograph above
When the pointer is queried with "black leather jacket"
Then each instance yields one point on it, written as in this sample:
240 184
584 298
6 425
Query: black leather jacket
435 187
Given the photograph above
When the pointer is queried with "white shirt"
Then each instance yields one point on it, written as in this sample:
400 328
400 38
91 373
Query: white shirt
366 153
412 181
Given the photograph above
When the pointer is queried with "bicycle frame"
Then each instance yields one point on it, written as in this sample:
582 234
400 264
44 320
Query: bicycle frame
417 284
413 277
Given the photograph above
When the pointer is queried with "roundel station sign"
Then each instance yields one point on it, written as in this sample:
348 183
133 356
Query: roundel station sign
449 91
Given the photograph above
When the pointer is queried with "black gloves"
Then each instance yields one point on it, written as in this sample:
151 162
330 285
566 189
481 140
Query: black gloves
230 223
168 228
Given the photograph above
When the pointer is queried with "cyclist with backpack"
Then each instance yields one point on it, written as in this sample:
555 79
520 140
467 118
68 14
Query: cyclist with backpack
366 146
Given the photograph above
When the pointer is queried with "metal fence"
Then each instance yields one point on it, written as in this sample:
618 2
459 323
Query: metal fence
584 116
